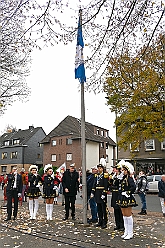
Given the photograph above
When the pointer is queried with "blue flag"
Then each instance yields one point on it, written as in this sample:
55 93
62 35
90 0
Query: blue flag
79 60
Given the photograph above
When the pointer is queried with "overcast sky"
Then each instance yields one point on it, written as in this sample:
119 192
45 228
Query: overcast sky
55 94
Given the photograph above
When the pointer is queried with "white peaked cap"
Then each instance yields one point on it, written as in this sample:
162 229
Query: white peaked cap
103 162
33 166
121 163
47 166
129 167
72 165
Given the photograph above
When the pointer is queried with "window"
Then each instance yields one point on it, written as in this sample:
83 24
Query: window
107 159
54 142
16 141
39 144
69 141
135 149
98 131
53 157
38 155
4 155
6 143
102 132
106 145
69 156
158 178
149 145
59 156
4 168
12 167
107 133
150 178
60 141
163 145
102 145
14 155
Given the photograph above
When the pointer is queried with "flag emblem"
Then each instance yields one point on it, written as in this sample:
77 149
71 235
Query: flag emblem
79 60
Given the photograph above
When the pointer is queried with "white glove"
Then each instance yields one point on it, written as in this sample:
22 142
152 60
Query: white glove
37 186
125 193
120 176
55 187
102 197
19 194
114 175
52 175
92 195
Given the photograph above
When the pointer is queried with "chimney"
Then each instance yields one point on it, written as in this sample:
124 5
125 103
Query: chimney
31 127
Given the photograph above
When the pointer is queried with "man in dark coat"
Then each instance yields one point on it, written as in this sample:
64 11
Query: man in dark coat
161 193
141 186
70 183
99 190
92 202
13 191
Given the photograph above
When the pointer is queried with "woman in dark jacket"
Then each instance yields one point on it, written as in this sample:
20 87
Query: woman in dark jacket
33 192
49 189
126 199
161 193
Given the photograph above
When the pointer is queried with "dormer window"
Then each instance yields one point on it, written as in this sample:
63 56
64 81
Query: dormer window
7 143
102 133
16 141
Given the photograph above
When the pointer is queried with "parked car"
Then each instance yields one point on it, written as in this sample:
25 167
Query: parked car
153 183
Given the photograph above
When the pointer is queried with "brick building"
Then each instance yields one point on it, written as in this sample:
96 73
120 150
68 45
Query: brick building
63 144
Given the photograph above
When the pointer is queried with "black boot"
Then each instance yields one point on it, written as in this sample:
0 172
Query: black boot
65 218
143 212
104 225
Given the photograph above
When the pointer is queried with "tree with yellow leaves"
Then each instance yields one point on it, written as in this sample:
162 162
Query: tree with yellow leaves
135 88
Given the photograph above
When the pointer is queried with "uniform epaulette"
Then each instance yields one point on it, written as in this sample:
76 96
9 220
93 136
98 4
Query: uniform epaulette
106 175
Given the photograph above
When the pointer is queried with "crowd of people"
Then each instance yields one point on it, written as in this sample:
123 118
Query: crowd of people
121 183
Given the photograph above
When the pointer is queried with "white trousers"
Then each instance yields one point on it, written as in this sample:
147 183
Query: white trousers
162 203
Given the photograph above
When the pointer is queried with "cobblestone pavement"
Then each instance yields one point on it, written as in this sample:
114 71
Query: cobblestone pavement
149 231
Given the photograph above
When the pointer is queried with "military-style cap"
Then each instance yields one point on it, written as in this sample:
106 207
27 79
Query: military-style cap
33 166
72 165
47 167
100 165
